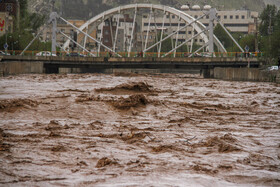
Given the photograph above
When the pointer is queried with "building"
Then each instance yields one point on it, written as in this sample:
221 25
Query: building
240 21
69 30
108 29
142 38
234 20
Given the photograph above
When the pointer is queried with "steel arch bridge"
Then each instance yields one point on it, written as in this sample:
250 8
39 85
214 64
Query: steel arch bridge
198 29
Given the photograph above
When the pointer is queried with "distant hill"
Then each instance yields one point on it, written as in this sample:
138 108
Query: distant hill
85 9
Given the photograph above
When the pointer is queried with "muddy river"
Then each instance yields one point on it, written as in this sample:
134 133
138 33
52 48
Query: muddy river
138 130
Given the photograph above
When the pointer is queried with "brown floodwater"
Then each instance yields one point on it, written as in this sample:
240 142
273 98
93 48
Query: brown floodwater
138 130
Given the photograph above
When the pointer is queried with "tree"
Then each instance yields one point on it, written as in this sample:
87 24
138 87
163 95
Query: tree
23 8
29 24
270 31
223 36
268 18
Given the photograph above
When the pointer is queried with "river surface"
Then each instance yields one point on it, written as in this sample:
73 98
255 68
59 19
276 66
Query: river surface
138 130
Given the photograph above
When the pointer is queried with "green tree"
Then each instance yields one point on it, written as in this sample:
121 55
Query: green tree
268 17
248 40
166 46
23 8
270 38
221 34
29 24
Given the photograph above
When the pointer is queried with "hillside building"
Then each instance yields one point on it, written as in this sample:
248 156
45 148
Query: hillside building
241 21
108 29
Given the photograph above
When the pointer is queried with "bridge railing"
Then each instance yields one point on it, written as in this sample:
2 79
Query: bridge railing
141 54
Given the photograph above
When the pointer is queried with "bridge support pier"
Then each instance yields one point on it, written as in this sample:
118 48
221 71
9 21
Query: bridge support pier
51 69
207 73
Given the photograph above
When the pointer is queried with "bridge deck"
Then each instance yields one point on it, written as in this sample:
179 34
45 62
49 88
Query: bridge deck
100 64
134 60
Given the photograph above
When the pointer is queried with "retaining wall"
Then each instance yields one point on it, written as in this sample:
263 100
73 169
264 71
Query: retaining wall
246 74
14 68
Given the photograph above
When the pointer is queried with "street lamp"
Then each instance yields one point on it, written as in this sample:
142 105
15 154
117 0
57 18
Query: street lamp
14 43
18 42
6 30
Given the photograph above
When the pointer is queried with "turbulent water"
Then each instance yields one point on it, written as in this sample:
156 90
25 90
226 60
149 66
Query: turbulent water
138 130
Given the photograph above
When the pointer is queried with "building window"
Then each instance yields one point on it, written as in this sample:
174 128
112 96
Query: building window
195 40
167 16
236 17
106 32
106 40
190 32
231 17
173 17
144 16
236 25
219 17
200 40
243 17
207 17
225 17
151 37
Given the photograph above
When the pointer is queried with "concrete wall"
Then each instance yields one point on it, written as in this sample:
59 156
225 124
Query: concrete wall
13 68
246 74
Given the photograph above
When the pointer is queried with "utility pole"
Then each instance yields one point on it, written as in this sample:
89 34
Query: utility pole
6 31
18 14
53 18
269 31
212 17
256 35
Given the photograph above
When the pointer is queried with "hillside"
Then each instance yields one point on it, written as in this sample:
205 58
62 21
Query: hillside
84 9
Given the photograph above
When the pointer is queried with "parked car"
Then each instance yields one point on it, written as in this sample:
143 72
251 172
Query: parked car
74 54
4 53
201 55
45 53
272 68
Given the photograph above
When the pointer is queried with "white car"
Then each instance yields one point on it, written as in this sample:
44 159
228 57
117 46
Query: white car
271 68
4 53
45 53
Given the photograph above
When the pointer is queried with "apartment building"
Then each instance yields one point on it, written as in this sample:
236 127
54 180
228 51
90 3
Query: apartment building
69 30
108 29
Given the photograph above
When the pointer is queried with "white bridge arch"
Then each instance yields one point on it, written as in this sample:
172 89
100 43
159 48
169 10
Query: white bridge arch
195 23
